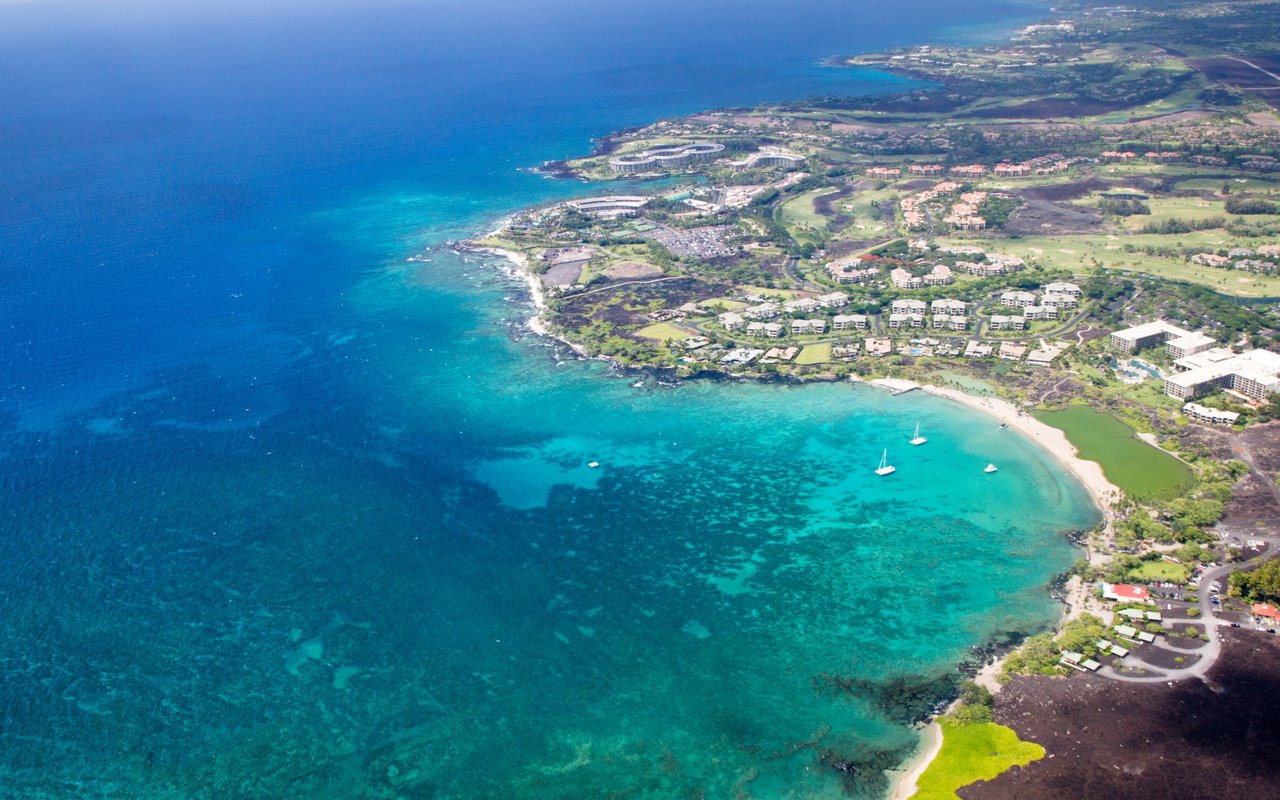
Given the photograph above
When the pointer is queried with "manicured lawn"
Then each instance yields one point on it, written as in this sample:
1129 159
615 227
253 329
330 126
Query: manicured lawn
1166 208
814 354
1159 571
972 753
1136 467
1079 254
665 332
801 219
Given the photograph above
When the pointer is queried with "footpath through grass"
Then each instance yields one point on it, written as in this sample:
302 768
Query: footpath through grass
971 753
1143 471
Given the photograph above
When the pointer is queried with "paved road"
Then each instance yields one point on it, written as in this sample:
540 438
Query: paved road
1211 649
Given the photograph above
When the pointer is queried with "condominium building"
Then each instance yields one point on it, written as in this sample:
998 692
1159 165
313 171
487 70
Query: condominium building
1017 299
908 306
1002 323
951 322
1212 416
732 321
800 327
851 270
849 322
947 306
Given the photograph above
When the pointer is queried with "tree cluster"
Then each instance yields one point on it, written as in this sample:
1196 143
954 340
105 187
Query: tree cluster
1261 584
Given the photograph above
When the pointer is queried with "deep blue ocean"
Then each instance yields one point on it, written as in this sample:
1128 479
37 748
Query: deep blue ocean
284 514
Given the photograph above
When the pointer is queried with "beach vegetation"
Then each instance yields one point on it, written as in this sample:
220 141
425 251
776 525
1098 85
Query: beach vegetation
970 753
1039 654
973 705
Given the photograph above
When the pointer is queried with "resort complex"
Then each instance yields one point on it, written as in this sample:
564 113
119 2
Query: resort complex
660 159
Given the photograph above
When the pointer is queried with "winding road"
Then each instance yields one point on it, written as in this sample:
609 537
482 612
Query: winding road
1209 652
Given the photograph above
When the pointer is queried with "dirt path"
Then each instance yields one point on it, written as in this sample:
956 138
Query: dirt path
1271 75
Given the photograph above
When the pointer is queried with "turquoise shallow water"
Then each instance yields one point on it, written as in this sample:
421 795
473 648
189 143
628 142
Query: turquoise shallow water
444 600
286 515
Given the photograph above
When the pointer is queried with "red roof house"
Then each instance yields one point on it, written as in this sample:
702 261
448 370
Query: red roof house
1266 611
1126 593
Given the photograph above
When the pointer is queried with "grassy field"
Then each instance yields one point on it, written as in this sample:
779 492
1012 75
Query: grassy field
866 217
815 354
729 305
972 753
1083 254
1159 571
800 218
665 332
1236 184
1136 467
1165 208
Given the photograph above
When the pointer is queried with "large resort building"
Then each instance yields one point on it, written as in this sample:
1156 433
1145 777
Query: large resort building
1254 374
1199 367
610 206
659 159
1149 334
770 157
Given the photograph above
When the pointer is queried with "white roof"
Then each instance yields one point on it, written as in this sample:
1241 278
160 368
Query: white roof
1192 340
1151 329
1262 366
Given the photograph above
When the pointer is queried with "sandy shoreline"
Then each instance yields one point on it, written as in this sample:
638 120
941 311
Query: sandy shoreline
930 744
1103 492
1055 442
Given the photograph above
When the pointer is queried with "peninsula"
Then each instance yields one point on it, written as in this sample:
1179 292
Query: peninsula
1077 231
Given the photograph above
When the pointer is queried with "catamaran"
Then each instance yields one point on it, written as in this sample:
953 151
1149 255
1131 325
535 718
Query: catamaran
918 439
885 467
991 468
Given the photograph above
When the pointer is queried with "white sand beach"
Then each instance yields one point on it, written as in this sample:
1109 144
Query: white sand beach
1104 493
930 743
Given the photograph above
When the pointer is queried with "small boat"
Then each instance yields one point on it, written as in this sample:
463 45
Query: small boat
885 467
918 439
1003 425
593 464
991 468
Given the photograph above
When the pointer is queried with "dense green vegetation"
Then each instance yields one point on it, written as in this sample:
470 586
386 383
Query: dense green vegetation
1249 205
1261 584
1039 654
1139 469
1122 208
971 753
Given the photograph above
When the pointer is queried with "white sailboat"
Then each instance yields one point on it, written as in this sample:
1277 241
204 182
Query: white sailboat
918 439
885 467
991 468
